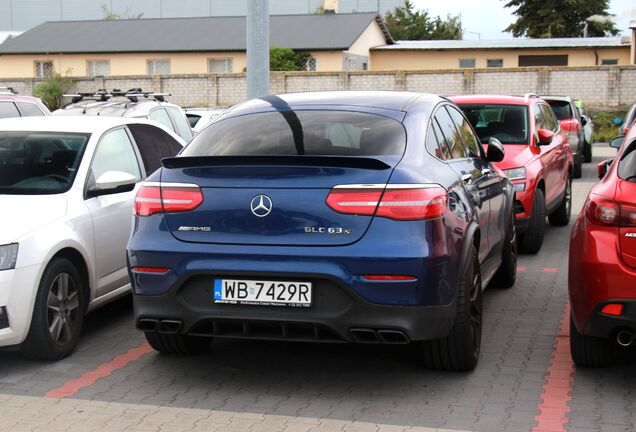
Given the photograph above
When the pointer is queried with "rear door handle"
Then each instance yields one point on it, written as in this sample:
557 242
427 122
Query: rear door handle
467 178
486 171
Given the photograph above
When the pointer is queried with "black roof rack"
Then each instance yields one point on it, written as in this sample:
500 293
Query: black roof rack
103 95
8 90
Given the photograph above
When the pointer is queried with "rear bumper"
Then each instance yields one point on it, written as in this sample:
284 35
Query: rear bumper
336 315
602 325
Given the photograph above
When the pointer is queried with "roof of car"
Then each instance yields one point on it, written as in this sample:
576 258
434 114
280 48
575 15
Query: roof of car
18 97
558 98
200 34
492 99
73 124
392 100
112 107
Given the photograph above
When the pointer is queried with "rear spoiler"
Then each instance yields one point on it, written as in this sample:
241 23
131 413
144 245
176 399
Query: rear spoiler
308 161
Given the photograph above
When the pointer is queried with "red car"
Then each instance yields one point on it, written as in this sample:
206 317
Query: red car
602 271
14 105
538 159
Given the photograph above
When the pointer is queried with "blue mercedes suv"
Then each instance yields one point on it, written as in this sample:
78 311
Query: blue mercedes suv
369 217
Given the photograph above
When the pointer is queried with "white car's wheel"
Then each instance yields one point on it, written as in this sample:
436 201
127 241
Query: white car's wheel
58 314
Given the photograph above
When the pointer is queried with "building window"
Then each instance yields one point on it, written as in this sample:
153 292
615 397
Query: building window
466 63
543 60
494 63
310 64
98 68
43 69
220 66
158 67
609 62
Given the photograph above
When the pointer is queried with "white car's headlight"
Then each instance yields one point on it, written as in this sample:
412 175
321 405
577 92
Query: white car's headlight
515 173
8 256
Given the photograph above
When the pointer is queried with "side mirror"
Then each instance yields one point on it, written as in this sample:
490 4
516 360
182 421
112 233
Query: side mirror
603 167
617 142
545 137
583 121
496 152
617 121
112 182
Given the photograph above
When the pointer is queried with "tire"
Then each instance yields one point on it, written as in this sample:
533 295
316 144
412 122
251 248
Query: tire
459 351
561 216
587 154
507 272
177 343
588 351
577 170
58 314
532 240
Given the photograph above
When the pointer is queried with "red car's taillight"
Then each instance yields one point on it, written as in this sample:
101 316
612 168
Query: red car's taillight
398 202
155 198
607 212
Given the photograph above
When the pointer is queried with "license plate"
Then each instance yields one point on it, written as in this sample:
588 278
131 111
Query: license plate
262 293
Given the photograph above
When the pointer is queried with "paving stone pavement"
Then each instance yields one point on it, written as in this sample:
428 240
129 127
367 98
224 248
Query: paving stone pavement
276 386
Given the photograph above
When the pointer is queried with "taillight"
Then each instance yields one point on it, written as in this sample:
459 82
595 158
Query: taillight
607 212
389 277
571 125
398 202
155 198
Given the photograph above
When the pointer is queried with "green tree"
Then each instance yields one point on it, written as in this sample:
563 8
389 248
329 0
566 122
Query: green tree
52 90
406 23
286 59
560 18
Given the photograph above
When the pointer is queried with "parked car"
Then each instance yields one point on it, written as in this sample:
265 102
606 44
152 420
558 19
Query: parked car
67 186
132 103
588 129
371 217
628 121
602 268
199 118
571 122
538 159
13 104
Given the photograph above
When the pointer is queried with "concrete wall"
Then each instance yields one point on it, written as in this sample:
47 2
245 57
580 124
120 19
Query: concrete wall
600 87
394 59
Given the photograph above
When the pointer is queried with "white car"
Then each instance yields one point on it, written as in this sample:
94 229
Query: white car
67 186
199 118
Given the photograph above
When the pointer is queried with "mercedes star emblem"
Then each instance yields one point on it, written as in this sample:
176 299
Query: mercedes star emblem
261 205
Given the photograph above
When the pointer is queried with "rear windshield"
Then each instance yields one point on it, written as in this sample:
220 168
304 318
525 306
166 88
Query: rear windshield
507 123
627 164
35 163
562 109
290 133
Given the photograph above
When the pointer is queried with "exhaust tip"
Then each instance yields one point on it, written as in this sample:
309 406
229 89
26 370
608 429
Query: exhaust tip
362 335
625 338
147 324
393 337
169 326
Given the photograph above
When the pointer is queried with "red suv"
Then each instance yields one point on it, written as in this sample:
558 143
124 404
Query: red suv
14 105
538 159
602 271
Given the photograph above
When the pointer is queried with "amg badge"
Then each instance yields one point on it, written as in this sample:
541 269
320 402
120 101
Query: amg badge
323 230
195 229
631 235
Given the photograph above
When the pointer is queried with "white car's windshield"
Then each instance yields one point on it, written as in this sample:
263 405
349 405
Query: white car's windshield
34 163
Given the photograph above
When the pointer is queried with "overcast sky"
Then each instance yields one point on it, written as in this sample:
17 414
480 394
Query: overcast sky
489 17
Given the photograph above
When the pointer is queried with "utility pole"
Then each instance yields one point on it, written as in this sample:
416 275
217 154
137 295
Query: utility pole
257 48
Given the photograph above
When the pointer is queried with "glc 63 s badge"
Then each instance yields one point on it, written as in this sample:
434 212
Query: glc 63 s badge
330 230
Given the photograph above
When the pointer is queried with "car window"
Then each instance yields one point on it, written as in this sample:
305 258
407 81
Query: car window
507 123
471 146
562 109
450 134
8 110
550 118
29 110
160 115
193 119
311 133
627 164
35 163
154 144
181 123
114 152
539 119
435 142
